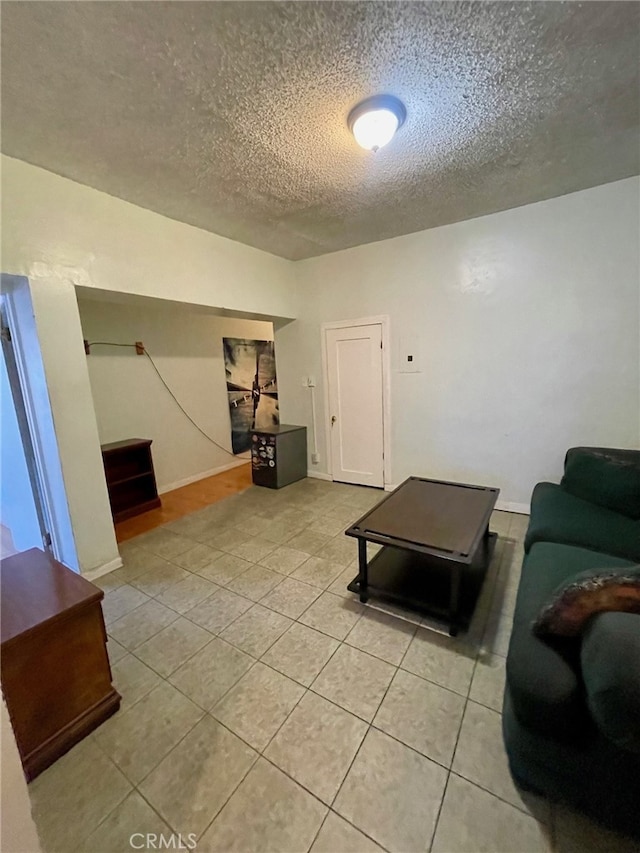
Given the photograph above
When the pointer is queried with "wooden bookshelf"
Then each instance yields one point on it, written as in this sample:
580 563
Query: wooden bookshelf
131 480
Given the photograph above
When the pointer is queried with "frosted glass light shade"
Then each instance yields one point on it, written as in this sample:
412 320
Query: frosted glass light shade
374 122
375 129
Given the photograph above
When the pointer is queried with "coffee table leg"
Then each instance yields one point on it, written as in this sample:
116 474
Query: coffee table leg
363 569
485 542
453 601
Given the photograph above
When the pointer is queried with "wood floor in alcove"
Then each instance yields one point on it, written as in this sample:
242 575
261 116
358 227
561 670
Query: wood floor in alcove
180 502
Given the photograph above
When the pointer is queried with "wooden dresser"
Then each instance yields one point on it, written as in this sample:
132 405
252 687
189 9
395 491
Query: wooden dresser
55 671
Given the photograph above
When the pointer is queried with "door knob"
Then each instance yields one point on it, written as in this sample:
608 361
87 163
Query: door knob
333 419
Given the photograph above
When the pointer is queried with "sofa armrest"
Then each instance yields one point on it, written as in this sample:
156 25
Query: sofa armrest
544 683
607 477
610 660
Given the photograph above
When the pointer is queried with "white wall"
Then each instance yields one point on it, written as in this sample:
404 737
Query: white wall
55 228
130 400
18 832
527 322
60 337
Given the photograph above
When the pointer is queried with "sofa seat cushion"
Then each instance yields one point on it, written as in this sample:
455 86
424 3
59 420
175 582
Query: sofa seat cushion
544 675
557 516
610 658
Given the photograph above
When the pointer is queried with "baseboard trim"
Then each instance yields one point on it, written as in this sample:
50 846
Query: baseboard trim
178 484
509 506
63 740
318 475
504 506
111 566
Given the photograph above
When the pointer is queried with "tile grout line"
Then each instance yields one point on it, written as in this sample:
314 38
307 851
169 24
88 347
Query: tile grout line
104 819
522 809
179 741
306 690
130 613
219 812
437 820
182 663
315 837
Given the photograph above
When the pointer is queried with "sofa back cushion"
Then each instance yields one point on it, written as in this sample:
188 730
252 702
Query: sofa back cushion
607 477
610 662
558 516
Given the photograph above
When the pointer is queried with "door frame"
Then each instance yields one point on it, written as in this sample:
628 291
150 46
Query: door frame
25 432
35 394
379 320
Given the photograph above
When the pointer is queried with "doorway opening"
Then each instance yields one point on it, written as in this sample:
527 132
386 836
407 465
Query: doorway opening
183 395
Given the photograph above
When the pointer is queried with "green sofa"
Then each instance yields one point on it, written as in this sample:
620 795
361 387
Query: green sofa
571 717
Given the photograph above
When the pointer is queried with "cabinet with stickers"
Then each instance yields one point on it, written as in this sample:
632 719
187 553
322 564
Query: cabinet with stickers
278 455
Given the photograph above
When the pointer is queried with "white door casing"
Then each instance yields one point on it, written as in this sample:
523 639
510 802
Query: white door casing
22 508
26 344
355 396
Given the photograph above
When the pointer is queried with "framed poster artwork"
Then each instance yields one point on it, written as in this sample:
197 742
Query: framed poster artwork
252 388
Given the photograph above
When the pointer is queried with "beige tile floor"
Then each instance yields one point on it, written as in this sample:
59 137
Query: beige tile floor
265 709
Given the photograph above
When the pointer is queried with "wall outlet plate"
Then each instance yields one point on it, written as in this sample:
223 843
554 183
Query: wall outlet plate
315 458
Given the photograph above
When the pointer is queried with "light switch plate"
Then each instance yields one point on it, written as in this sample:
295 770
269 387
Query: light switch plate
409 354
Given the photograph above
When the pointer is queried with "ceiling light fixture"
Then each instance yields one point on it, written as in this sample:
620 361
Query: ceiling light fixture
374 122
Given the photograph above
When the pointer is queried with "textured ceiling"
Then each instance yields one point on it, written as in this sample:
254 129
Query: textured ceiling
232 115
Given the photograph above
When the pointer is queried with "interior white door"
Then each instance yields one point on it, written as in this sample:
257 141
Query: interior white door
354 369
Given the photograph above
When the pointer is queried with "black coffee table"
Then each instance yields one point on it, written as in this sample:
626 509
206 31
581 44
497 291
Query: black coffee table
436 548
